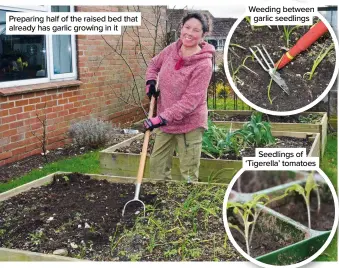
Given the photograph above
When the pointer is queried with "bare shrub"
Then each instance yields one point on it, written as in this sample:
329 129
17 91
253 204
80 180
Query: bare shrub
92 133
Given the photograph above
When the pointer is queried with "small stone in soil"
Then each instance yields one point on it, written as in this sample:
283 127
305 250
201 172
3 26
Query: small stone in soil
61 252
73 245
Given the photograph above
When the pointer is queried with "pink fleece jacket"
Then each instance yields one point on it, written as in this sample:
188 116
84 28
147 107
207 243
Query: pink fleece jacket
183 92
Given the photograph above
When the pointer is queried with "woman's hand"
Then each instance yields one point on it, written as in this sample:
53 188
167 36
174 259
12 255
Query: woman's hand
151 90
154 122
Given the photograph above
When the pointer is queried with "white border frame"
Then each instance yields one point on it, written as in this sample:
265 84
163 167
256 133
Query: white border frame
261 264
284 113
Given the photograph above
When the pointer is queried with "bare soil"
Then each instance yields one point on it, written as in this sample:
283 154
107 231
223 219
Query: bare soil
267 236
302 90
294 207
83 216
19 168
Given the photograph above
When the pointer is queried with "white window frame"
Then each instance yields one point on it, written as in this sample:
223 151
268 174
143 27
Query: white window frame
221 41
51 77
65 76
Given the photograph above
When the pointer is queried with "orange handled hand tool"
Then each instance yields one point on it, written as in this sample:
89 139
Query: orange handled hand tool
317 30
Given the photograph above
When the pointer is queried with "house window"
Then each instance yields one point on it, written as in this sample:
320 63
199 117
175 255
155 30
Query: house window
21 57
213 42
33 59
217 43
331 15
221 44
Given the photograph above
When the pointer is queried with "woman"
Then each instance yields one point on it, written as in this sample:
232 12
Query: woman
184 69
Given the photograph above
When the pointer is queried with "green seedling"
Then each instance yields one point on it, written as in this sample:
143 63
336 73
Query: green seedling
248 19
287 33
270 83
310 119
237 45
269 91
83 249
171 253
256 132
114 240
243 65
213 177
306 193
213 140
318 60
175 228
249 213
37 237
232 46
218 141
2 232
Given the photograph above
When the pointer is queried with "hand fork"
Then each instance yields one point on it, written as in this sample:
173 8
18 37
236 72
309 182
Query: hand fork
269 67
142 162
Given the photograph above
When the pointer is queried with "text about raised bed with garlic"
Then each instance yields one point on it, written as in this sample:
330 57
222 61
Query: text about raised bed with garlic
56 23
280 159
281 15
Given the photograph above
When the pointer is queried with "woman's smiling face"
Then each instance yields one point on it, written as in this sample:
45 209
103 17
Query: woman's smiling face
191 33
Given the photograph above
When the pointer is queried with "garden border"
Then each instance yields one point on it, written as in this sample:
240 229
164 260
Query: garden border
23 255
126 164
320 128
7 254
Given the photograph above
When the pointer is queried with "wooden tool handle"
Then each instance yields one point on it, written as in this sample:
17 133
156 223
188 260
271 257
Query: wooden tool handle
145 145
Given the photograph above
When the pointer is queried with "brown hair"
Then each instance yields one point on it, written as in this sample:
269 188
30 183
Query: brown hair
203 18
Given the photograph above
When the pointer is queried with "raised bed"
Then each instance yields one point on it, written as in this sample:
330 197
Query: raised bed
320 127
60 205
306 241
126 164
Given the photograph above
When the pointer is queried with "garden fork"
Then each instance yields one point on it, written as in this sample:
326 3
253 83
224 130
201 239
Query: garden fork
269 67
142 162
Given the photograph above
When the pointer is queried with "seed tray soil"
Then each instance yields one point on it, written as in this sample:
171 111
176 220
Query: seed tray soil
83 215
269 118
268 236
22 167
254 181
294 207
282 142
302 90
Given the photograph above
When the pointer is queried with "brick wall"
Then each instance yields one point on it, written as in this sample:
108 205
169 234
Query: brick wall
106 82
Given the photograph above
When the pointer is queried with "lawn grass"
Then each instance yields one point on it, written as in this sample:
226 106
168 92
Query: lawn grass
227 104
329 166
329 161
86 163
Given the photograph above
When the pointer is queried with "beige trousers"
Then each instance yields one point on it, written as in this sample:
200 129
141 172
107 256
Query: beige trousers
188 148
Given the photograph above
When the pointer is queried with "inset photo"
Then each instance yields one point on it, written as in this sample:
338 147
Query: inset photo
281 70
280 217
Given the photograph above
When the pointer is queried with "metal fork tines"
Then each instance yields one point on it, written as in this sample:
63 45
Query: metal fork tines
269 67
